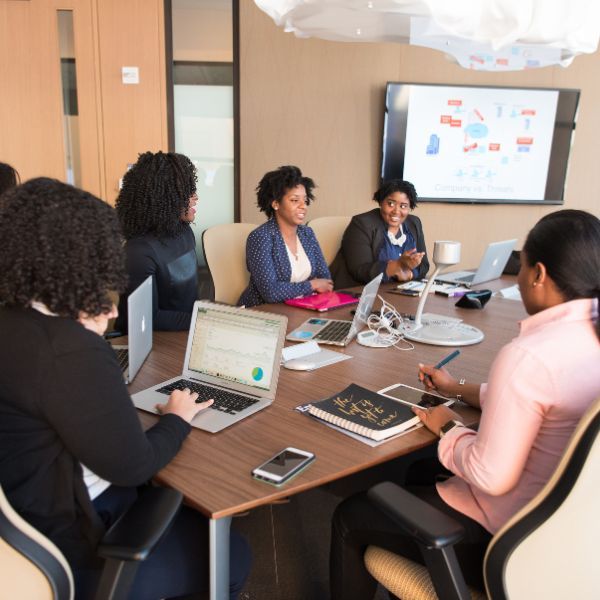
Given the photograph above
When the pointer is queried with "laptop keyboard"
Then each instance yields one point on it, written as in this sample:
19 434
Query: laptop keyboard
227 402
466 278
123 358
336 331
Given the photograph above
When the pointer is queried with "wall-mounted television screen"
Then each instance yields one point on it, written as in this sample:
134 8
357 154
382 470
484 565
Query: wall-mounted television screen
479 143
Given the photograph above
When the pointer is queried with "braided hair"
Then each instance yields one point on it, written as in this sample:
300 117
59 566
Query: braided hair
567 243
156 192
275 184
60 246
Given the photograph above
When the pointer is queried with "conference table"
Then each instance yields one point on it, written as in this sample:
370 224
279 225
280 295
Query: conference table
213 470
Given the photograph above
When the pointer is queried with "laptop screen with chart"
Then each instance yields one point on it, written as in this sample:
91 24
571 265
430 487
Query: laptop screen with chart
234 347
232 357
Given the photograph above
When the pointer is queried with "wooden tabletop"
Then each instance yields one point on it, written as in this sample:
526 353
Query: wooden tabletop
213 470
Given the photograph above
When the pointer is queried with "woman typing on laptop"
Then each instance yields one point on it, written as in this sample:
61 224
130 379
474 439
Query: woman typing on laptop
539 387
283 255
386 240
72 449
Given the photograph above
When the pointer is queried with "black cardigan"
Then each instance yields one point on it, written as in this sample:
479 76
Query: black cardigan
174 269
63 402
357 261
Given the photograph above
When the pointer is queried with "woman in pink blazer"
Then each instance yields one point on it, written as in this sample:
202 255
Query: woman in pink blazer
539 386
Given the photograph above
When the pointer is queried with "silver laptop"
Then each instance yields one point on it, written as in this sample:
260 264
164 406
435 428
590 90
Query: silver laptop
337 331
232 356
139 331
491 266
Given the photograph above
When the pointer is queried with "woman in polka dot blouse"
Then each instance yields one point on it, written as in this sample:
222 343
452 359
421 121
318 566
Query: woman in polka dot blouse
283 255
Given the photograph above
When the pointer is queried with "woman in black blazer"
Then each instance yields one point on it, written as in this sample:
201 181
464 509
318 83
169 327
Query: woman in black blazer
72 448
386 240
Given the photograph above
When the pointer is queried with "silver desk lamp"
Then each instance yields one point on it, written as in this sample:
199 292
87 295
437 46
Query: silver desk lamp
438 329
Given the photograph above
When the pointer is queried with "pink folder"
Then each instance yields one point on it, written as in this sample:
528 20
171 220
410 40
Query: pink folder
323 302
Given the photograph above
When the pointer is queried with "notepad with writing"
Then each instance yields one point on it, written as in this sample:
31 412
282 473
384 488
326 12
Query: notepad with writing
365 412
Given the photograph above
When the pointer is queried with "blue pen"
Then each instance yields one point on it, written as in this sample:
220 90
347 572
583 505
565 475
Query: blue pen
445 361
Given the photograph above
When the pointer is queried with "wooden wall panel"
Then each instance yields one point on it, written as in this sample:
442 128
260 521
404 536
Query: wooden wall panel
131 33
31 131
320 104
116 121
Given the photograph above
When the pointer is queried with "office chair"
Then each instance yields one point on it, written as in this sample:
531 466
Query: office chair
329 232
224 249
548 550
32 567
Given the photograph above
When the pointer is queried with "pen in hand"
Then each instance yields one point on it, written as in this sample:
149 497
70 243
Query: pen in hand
443 362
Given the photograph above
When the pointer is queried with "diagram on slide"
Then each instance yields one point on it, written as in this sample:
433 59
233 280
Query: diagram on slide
479 143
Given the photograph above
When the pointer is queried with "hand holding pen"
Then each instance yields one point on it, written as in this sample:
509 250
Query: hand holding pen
436 377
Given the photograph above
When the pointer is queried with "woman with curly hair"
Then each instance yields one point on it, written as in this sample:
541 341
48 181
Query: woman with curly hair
9 177
283 255
72 449
388 239
156 206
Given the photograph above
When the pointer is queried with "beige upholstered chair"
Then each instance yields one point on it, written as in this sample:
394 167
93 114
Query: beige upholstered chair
548 551
329 232
225 252
33 568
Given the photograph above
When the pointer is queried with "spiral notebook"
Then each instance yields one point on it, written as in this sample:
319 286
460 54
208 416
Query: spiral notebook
375 415
365 412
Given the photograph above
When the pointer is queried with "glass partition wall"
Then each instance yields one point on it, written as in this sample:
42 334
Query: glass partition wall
69 92
203 105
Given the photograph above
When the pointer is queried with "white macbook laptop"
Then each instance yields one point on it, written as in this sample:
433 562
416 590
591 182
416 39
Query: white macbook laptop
233 356
139 331
491 266
336 331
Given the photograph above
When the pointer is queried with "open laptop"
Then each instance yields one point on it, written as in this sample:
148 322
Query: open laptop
491 266
336 331
232 356
139 331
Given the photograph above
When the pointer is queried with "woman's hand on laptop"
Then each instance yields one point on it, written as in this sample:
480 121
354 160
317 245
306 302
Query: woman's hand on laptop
183 404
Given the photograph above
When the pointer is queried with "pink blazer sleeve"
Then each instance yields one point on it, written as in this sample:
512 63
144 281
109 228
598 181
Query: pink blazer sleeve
513 405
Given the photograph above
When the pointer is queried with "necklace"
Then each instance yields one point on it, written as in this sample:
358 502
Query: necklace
288 245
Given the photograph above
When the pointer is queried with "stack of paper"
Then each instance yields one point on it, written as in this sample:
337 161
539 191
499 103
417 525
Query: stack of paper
511 293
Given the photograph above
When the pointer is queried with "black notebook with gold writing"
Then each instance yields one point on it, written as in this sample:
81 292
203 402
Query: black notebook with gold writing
364 412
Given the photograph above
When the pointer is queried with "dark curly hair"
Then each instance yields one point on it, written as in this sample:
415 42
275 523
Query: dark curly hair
156 192
396 185
9 177
60 246
567 243
275 184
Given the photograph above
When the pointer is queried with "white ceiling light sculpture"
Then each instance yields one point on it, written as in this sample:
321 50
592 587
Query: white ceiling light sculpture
489 35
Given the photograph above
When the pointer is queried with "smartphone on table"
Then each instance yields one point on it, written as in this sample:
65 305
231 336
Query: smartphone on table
283 466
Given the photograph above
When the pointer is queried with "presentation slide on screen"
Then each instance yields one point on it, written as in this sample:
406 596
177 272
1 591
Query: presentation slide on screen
479 143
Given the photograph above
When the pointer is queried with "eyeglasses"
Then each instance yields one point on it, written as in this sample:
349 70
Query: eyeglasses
392 204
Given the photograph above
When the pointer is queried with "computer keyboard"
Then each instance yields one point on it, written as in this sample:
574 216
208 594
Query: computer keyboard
336 331
224 401
466 278
123 358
